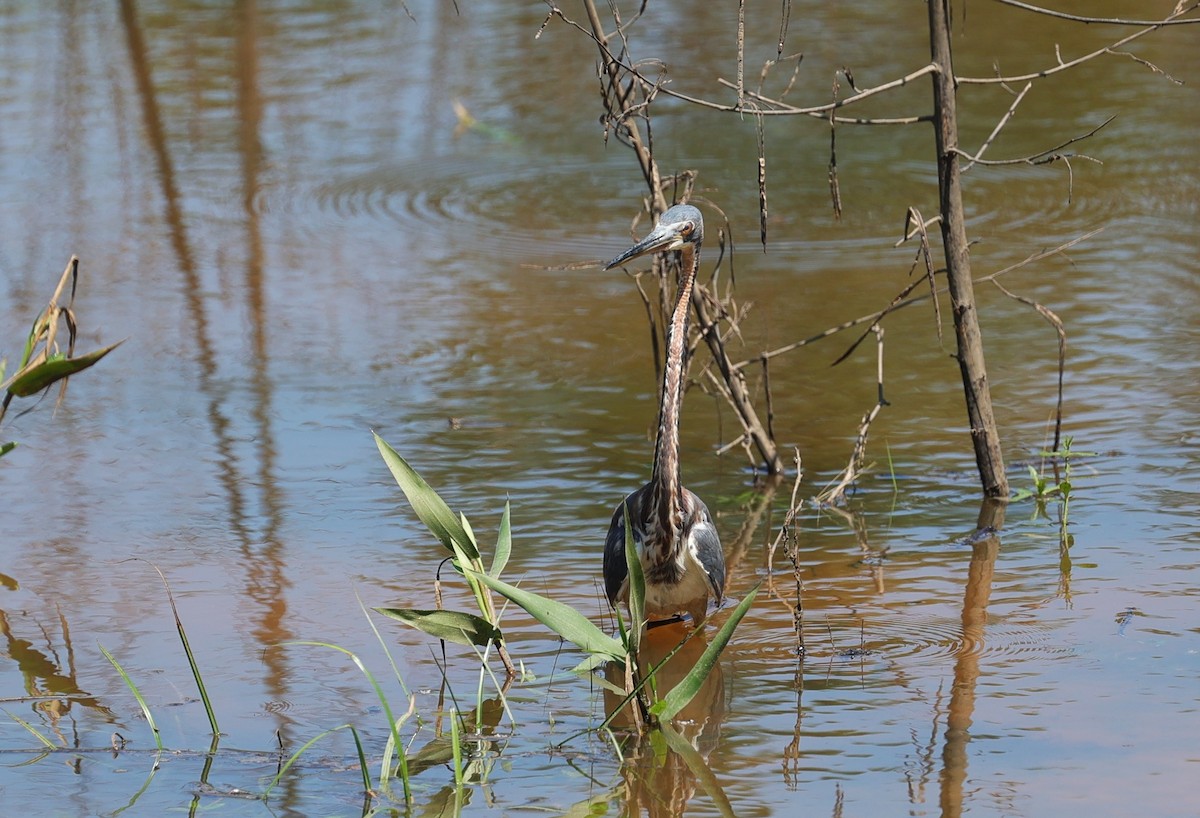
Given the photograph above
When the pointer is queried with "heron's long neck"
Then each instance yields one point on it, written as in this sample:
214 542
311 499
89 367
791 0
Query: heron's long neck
666 497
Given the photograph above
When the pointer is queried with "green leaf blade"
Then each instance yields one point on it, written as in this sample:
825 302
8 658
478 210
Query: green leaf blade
637 587
564 620
503 544
458 627
671 704
46 374
429 507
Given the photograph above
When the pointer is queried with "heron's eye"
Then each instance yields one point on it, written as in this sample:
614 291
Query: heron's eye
687 229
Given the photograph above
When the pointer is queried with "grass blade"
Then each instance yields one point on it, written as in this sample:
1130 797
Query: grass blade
456 748
36 733
391 748
393 724
682 693
362 761
187 649
384 645
296 756
137 694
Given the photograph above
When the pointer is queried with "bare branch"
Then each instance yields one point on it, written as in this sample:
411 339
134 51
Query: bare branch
778 107
650 319
835 193
789 519
741 55
1063 66
913 217
1057 323
775 107
785 17
995 131
1040 158
924 252
735 382
912 229
1146 63
770 64
762 183
766 369
902 301
833 494
1114 21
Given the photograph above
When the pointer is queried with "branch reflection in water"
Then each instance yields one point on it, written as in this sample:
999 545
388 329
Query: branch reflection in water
985 547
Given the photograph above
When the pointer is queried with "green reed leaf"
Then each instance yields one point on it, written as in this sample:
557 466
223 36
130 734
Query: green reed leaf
564 620
458 627
429 507
36 378
670 705
503 544
637 587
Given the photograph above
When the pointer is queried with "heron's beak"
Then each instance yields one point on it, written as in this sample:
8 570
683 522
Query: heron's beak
663 237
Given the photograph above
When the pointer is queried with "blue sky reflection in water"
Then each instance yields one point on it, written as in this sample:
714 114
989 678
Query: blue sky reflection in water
274 208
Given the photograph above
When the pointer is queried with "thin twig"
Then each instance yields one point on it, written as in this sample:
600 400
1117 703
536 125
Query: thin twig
836 493
1057 323
999 125
741 55
1115 21
780 107
1063 66
835 193
762 183
902 301
1039 158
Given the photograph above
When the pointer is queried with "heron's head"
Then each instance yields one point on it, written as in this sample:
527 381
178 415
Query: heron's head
679 226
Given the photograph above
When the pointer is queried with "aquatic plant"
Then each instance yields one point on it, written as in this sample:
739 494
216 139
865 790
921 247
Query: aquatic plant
1055 482
1048 481
465 747
455 534
42 363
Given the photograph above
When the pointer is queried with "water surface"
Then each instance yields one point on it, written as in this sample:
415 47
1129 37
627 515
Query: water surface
273 205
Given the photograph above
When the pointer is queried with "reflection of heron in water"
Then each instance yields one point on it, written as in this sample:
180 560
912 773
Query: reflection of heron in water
656 783
680 552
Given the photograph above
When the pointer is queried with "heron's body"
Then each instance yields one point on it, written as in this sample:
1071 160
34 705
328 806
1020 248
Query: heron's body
676 540
681 582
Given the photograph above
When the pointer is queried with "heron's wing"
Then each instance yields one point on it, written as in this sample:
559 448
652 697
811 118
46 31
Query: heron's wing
702 535
615 569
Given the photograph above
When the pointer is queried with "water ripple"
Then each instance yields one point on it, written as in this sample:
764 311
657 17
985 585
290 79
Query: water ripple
917 640
495 203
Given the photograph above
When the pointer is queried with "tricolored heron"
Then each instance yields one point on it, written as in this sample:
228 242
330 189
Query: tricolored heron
676 540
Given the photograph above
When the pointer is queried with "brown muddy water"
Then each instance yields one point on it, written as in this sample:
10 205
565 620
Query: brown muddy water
272 203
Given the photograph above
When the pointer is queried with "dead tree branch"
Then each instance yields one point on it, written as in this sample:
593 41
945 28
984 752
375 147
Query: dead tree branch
629 88
1115 21
835 493
1039 158
999 126
627 95
902 300
1063 66
1061 331
985 438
